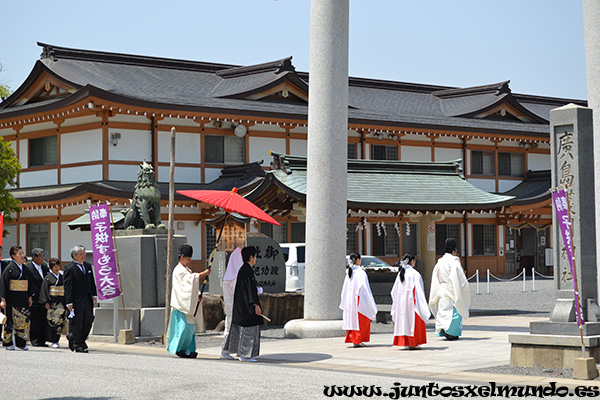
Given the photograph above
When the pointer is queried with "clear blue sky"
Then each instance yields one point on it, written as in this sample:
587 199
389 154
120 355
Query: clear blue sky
537 44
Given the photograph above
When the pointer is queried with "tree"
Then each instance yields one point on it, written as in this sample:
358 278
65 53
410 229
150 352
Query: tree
5 90
8 179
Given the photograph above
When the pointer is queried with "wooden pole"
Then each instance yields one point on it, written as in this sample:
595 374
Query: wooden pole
169 268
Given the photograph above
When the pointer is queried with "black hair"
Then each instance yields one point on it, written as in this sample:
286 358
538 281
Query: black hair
14 250
186 250
248 252
450 245
353 258
406 259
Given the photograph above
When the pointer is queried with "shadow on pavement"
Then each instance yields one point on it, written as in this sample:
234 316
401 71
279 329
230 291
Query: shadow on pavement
293 357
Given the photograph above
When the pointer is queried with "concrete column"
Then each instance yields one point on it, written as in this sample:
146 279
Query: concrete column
426 253
326 203
591 30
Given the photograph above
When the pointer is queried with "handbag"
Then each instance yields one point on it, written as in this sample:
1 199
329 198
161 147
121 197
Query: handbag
2 318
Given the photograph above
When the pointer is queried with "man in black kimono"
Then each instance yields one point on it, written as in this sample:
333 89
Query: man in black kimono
15 299
244 335
39 323
81 297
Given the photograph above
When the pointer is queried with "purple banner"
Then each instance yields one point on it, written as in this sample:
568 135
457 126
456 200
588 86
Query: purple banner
561 208
105 263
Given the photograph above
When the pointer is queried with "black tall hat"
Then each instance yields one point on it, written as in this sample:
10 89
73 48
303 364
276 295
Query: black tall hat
186 250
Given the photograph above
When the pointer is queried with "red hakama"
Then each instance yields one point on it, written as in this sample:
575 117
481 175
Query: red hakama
364 332
420 334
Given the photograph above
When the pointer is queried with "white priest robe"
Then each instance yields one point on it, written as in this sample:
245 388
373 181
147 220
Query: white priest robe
233 266
355 287
184 295
403 302
449 288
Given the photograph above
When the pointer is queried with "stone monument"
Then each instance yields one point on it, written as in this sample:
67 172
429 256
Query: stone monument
557 343
142 252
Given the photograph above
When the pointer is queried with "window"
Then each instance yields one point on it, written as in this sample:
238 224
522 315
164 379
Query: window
484 240
443 232
352 151
224 149
37 237
511 164
351 243
278 233
383 152
43 151
410 238
298 232
482 163
385 240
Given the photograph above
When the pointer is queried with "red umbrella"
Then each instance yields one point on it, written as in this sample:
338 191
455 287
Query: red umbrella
230 202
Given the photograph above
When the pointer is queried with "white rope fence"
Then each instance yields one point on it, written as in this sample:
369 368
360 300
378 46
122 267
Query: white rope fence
523 273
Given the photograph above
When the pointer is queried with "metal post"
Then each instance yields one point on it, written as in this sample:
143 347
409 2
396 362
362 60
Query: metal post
488 278
477 280
524 273
116 319
533 279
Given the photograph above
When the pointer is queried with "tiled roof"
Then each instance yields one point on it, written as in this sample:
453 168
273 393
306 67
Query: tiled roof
533 189
390 185
202 86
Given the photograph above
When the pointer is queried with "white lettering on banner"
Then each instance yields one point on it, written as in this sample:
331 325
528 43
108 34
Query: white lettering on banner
105 264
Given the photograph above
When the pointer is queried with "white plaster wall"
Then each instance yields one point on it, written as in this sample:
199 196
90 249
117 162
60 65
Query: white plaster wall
266 128
134 145
125 172
23 153
168 123
138 119
38 178
509 143
187 147
194 237
299 129
413 153
88 119
500 236
469 240
81 146
53 241
10 240
6 131
71 238
259 148
505 185
537 162
182 175
489 185
23 237
447 154
483 142
88 173
298 147
419 138
38 127
210 174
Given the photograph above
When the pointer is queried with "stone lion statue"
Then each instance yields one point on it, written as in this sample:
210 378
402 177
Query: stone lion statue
144 211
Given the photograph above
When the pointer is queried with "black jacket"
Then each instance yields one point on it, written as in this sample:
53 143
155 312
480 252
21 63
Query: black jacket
36 280
79 286
13 272
245 297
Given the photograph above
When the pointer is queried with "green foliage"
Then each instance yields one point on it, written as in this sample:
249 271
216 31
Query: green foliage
4 91
8 179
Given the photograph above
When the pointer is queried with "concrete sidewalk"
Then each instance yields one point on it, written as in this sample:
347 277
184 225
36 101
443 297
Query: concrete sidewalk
484 344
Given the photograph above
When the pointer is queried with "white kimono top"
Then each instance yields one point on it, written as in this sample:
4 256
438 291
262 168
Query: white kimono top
184 293
233 266
403 302
355 287
449 288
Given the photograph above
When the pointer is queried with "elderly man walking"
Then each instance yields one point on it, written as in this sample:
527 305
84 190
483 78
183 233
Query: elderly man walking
81 297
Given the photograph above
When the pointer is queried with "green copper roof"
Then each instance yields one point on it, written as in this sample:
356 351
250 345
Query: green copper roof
391 185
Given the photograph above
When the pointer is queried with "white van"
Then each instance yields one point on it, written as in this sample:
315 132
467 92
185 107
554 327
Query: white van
294 255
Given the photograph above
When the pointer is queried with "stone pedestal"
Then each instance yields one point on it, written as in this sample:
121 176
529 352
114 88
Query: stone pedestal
585 368
142 260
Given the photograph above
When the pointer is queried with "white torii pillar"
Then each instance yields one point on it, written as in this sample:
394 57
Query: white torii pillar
326 204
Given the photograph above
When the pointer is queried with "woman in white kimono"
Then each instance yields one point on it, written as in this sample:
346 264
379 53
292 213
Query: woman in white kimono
409 306
357 304
184 297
